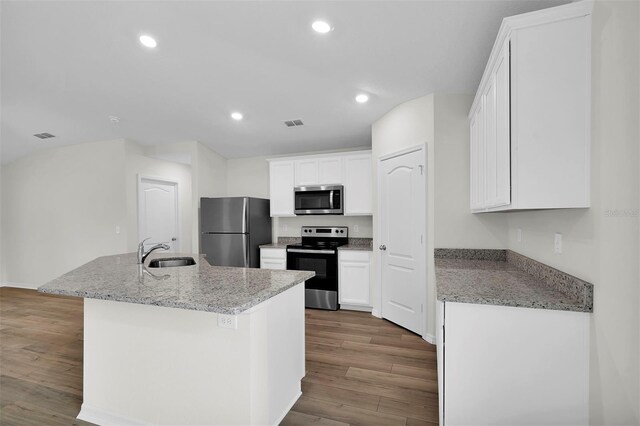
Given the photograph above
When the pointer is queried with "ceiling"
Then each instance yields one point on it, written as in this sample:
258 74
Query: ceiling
67 66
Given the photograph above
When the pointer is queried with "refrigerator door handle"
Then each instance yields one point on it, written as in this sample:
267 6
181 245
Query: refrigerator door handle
245 215
245 249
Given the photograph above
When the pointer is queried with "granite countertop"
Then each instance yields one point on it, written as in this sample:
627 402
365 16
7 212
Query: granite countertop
200 287
277 245
515 281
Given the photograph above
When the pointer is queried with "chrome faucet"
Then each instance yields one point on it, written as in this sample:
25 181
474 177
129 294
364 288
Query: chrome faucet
142 255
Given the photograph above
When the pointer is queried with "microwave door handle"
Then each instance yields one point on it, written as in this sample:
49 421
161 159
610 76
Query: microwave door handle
331 199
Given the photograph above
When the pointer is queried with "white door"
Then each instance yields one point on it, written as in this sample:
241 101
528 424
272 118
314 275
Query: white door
157 213
401 201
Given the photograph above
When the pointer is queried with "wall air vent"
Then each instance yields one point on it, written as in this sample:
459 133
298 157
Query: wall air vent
44 135
293 123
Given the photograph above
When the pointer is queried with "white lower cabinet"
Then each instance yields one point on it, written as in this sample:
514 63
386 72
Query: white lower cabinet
354 279
273 258
500 365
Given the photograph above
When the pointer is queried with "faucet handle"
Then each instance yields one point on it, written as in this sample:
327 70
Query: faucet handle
142 242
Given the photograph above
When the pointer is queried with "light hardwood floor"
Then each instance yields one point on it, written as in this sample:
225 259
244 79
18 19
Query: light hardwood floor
361 370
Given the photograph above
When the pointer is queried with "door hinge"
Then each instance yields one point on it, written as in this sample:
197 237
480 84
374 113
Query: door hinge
421 239
421 308
421 169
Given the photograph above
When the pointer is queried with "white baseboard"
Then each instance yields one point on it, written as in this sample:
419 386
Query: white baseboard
99 417
355 308
430 338
20 285
376 313
289 407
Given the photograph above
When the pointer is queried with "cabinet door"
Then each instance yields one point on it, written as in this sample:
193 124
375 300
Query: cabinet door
477 159
490 152
273 264
502 191
281 187
306 172
357 185
354 278
329 170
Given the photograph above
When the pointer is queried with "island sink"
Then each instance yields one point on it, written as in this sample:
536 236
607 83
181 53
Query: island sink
169 262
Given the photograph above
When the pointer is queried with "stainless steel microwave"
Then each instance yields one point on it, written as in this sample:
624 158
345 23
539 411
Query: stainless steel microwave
322 199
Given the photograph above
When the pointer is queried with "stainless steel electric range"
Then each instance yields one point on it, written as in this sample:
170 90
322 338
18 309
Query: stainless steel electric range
318 252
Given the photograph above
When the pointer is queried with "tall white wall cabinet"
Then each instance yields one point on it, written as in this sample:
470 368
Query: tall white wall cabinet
530 119
350 169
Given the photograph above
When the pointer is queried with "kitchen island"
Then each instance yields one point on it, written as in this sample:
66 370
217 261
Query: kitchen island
187 345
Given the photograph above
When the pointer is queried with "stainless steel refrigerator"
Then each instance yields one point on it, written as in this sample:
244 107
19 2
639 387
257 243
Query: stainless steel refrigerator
232 229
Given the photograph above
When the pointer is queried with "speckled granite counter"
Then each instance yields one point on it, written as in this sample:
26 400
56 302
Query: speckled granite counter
507 279
365 244
200 287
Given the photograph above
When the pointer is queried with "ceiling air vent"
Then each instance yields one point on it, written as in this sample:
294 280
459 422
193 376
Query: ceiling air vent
44 135
293 123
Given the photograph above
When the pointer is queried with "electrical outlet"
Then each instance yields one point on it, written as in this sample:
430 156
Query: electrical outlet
557 243
355 229
519 235
228 321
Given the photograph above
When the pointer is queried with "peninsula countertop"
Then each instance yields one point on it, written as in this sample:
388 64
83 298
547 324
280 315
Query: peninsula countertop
200 287
513 280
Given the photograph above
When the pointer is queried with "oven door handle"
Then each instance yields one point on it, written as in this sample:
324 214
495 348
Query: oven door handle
311 251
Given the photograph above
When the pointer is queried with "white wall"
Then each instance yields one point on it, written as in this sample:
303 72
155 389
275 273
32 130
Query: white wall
600 247
248 177
139 164
61 206
405 126
455 226
60 209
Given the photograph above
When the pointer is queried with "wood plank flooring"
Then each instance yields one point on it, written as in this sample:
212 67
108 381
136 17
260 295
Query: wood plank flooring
40 358
361 370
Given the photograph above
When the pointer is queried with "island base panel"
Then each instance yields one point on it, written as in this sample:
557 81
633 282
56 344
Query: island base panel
155 365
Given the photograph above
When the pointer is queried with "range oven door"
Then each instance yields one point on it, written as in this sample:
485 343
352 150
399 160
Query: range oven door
326 199
321 291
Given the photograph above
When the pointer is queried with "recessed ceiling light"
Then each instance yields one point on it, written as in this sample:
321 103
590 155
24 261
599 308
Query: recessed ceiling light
362 98
236 116
148 41
321 27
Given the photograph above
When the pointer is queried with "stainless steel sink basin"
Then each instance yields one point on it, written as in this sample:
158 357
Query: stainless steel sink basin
170 262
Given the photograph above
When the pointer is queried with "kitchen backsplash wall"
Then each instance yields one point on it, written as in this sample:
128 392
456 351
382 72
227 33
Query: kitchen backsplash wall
359 226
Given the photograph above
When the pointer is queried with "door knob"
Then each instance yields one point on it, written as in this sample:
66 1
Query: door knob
382 247
174 239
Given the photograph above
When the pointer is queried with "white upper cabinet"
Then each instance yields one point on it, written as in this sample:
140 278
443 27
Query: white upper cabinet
357 184
281 187
350 169
306 172
329 170
530 120
477 158
318 171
